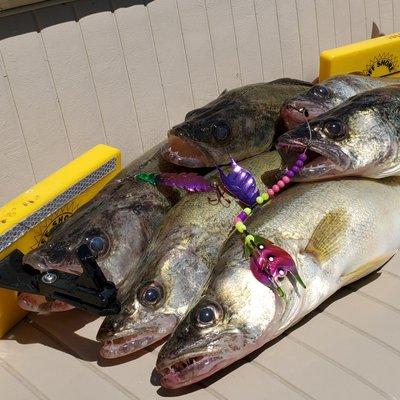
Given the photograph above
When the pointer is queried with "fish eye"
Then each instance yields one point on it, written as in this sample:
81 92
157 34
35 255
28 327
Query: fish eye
98 244
151 294
319 91
335 130
207 315
220 130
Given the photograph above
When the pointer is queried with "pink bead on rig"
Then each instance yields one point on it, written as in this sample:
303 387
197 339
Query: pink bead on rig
288 175
280 184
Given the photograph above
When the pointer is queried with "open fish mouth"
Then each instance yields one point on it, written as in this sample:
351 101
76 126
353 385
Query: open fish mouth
321 163
294 113
182 152
115 348
126 342
36 303
189 369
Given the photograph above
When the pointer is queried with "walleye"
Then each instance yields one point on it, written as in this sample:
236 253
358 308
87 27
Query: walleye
327 95
116 225
173 269
361 137
336 232
240 123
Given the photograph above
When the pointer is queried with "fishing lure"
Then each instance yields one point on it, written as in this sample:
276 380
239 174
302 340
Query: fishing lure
240 183
188 181
269 263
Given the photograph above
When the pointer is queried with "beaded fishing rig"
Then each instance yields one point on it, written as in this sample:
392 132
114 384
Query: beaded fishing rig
269 264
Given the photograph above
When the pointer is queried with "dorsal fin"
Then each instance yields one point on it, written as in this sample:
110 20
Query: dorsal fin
290 81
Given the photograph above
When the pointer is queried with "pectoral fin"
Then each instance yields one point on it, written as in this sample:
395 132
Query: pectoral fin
328 235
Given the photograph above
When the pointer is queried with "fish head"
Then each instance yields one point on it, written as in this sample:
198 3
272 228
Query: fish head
144 319
234 314
113 234
353 139
226 128
319 99
153 303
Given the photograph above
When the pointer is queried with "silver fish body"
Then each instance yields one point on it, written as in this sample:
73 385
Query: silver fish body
326 95
361 137
335 231
174 268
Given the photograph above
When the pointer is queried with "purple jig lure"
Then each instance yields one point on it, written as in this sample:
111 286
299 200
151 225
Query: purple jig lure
240 183
188 181
268 263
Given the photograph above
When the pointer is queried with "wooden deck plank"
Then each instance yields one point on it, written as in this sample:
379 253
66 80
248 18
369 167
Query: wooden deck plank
393 266
142 65
341 12
313 373
250 381
75 90
325 24
370 317
196 36
16 170
372 14
132 372
290 39
223 41
13 386
34 94
357 19
384 288
307 21
45 364
270 48
386 13
166 30
111 79
248 42
356 352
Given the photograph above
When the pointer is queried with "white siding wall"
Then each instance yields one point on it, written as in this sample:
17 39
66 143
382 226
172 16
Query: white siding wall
123 71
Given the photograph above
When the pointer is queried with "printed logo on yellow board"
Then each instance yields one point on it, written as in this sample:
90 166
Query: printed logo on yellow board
43 232
381 65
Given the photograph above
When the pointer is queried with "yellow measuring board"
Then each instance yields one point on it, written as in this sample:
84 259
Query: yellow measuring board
375 57
26 221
